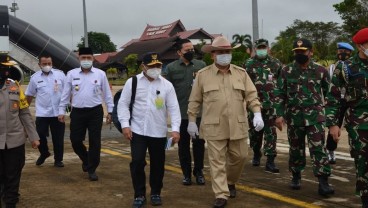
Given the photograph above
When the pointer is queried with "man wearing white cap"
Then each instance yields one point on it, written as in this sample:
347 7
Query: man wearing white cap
221 89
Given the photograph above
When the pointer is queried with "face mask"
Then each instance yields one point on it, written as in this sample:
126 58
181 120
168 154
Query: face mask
223 59
189 55
343 56
365 51
86 64
46 69
301 58
262 53
154 73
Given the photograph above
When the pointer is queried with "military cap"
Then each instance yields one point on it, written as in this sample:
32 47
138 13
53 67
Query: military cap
151 58
85 51
346 46
302 44
261 42
361 36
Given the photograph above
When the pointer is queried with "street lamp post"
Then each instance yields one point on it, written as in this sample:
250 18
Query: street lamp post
14 8
85 24
255 20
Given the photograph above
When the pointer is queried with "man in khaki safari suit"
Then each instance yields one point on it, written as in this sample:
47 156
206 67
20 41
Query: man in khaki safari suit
221 89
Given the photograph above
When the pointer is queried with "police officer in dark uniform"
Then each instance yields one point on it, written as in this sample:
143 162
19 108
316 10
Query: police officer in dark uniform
16 123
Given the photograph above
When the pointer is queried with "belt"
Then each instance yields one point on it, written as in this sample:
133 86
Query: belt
87 109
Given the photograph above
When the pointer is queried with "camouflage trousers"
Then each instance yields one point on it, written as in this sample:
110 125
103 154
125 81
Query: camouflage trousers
358 141
315 138
268 133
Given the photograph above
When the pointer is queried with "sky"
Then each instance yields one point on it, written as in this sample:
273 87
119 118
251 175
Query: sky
123 20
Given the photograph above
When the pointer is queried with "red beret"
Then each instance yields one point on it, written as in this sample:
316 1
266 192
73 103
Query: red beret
361 36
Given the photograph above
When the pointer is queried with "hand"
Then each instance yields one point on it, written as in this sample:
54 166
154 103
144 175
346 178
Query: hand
258 121
108 119
35 144
127 133
279 122
61 118
175 136
335 133
192 129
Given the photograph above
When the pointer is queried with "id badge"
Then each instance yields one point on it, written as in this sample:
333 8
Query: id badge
159 103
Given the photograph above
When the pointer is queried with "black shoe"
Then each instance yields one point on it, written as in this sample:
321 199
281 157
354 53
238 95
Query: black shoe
59 164
295 181
187 181
200 180
232 190
324 189
219 203
42 159
139 202
84 167
93 176
156 200
256 161
270 165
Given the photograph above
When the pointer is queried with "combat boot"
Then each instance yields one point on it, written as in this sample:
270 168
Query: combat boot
256 161
324 188
270 165
364 201
295 181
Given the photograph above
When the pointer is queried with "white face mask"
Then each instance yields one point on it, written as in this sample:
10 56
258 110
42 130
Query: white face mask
46 69
365 51
86 64
154 73
223 59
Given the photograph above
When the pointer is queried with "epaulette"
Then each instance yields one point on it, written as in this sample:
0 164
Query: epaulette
8 81
238 67
205 68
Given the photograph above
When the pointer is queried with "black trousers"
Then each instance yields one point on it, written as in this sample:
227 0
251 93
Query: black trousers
57 134
156 149
81 120
11 165
184 150
331 145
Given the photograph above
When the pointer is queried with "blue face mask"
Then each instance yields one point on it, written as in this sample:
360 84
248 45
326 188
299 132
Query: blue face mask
261 53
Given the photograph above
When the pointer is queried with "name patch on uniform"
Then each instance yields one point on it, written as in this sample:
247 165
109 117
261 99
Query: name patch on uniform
40 81
76 78
13 93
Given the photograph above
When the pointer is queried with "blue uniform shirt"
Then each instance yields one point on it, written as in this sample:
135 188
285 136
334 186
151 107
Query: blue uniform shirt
47 89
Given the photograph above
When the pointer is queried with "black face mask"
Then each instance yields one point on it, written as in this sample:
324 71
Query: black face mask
189 55
301 58
343 56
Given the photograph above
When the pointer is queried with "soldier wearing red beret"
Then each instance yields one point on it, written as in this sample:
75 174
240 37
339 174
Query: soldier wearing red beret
353 76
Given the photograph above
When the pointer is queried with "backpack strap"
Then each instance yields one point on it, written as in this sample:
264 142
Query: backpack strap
132 99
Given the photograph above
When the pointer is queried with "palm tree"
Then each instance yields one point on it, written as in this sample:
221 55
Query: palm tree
245 40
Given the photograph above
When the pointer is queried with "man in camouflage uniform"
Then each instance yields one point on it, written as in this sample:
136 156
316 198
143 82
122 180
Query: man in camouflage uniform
263 70
298 99
354 78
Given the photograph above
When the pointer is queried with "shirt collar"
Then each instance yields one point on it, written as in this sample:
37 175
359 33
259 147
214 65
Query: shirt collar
218 70
92 69
181 62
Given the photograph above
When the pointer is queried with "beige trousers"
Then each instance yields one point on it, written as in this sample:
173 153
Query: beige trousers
227 160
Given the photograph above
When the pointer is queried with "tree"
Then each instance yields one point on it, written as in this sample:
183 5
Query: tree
354 14
131 63
322 35
99 43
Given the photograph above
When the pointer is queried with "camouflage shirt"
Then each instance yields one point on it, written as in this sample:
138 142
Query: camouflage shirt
353 77
263 73
298 95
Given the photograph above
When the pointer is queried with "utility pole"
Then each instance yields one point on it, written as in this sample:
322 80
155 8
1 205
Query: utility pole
14 8
255 20
85 24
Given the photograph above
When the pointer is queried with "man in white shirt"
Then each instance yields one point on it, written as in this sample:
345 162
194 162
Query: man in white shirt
88 87
47 85
154 98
